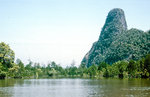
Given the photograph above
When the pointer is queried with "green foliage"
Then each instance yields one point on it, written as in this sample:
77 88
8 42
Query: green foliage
2 74
102 65
121 69
116 43
7 55
117 69
29 69
21 70
14 71
92 71
132 68
147 65
122 66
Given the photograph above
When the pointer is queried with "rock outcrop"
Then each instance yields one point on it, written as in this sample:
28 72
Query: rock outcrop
116 42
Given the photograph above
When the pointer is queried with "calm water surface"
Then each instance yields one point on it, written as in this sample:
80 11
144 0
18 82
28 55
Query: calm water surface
75 88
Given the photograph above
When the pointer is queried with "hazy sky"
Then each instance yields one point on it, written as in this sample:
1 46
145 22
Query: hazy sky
62 30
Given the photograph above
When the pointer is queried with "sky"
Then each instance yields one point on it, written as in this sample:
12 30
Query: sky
62 30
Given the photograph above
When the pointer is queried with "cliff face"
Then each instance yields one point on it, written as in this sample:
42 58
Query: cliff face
114 25
116 42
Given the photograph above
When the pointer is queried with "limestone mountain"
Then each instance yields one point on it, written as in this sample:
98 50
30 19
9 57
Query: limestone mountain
116 42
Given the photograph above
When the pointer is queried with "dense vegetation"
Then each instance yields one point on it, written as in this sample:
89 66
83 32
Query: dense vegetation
119 52
121 69
116 42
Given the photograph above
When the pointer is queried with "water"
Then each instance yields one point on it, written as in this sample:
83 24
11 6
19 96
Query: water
75 88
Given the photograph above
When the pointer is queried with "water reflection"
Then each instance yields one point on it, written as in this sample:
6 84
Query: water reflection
74 88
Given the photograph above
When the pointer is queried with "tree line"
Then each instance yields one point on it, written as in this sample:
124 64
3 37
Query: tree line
121 69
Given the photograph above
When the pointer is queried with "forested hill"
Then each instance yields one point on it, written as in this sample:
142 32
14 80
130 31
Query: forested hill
116 42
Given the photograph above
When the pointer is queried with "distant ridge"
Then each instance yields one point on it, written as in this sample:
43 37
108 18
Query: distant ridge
116 42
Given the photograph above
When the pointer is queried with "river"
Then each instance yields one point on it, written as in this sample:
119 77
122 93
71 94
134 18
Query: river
75 88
